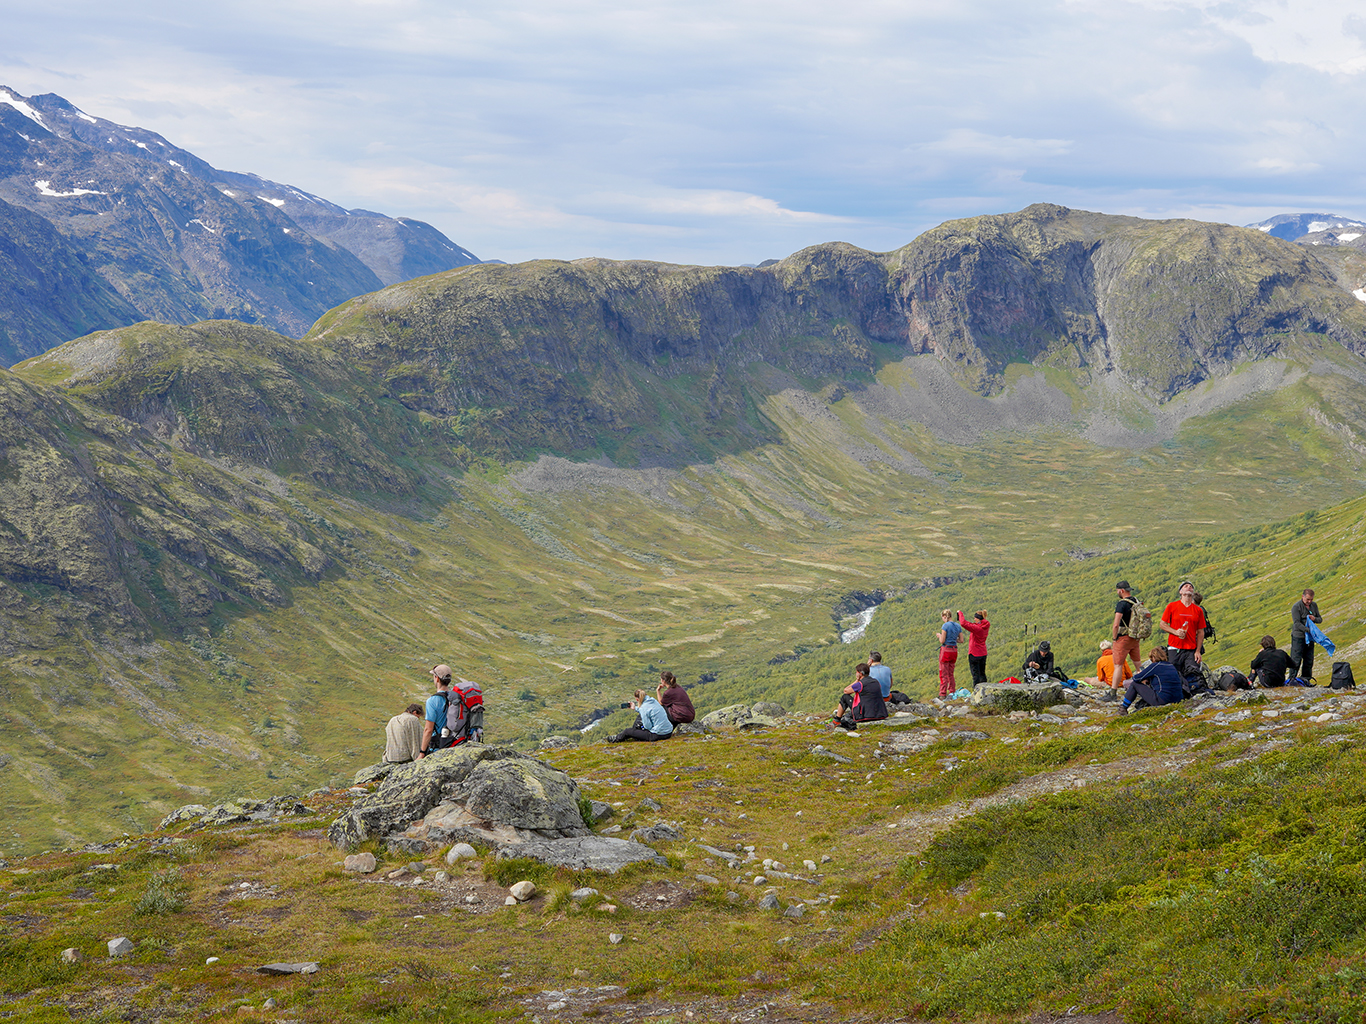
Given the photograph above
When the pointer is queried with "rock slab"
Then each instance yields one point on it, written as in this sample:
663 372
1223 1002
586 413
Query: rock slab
1012 697
586 853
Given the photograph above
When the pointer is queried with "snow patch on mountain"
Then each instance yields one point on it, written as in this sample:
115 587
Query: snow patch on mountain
44 186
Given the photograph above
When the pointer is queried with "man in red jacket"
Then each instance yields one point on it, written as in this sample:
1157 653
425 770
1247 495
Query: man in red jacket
1184 623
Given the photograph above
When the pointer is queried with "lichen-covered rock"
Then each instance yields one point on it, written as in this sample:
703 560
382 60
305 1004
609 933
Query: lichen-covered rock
186 813
482 793
557 743
660 832
1013 697
768 709
373 773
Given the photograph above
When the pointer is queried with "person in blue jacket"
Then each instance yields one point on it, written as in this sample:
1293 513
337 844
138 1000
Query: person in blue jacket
652 723
1158 684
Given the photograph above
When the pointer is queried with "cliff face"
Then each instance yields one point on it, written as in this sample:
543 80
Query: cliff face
1167 304
561 355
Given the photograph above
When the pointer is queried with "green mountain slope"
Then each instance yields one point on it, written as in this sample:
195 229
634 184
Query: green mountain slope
229 556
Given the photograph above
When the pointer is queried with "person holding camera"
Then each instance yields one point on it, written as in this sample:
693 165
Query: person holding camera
652 722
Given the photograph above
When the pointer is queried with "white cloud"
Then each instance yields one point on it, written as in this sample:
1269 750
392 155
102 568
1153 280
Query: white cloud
730 131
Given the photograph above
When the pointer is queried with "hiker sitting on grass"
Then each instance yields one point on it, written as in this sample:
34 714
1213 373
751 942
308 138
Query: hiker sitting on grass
652 723
1271 666
1106 673
861 700
1155 685
675 700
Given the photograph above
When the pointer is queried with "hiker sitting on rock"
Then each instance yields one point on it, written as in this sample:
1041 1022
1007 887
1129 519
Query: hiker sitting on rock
403 736
652 723
1272 665
861 700
674 699
1158 684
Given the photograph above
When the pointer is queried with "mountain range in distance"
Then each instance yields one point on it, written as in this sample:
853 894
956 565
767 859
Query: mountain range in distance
106 225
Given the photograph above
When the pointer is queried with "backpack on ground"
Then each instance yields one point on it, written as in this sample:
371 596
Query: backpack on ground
1342 676
1140 625
1231 679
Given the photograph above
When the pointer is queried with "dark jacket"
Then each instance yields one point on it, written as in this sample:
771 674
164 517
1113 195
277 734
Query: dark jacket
1298 613
1044 660
677 704
1165 681
869 705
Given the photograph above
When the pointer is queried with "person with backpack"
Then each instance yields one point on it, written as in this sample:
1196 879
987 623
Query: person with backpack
1271 665
1131 619
454 714
437 705
1184 623
1304 610
652 722
861 700
674 699
1160 683
949 632
977 644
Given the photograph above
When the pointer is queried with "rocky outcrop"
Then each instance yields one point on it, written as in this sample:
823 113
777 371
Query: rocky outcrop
739 716
1018 697
471 793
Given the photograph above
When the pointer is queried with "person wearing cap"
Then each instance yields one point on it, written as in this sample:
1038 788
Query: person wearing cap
436 708
1041 660
1125 646
1108 672
1184 623
403 736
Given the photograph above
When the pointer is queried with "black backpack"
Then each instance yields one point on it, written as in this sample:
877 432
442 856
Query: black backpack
1231 679
1342 676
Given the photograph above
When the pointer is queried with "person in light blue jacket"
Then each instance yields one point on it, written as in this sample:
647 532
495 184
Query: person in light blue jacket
651 724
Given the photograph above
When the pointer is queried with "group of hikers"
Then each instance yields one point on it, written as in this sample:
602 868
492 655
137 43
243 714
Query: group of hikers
454 713
1173 671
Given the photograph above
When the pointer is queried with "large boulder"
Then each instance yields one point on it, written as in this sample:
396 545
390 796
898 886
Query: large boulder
1018 697
590 853
471 793
736 716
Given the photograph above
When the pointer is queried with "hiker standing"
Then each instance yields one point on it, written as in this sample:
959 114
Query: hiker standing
1184 622
1304 610
881 673
948 652
977 629
403 736
1125 646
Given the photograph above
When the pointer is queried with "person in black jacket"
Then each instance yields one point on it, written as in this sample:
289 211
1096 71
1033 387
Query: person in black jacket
1042 661
1271 666
1301 648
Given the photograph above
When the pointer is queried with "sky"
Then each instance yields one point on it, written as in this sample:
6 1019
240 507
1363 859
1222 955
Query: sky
736 131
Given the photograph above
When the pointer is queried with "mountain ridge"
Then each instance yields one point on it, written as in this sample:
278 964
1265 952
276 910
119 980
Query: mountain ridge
177 239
